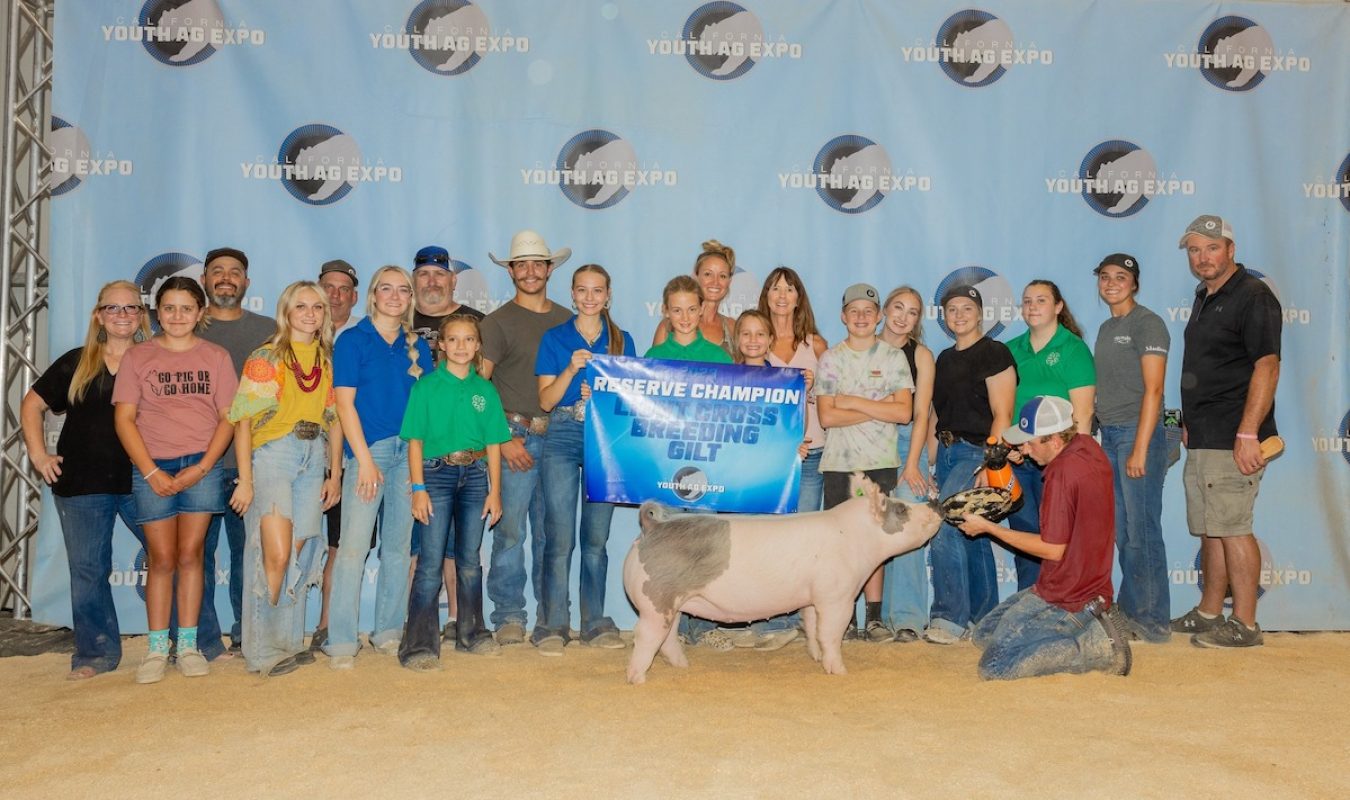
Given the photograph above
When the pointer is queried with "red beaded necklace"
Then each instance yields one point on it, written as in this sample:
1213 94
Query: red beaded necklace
307 381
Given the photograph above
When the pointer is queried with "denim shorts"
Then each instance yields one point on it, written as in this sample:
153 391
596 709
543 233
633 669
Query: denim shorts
206 496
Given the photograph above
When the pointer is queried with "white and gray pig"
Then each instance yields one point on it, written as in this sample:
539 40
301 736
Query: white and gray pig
738 568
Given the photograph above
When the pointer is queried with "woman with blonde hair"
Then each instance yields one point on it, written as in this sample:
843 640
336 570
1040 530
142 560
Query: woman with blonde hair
713 268
287 440
375 365
89 473
905 582
171 396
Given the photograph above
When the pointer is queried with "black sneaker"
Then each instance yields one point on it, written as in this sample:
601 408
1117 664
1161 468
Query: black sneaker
318 640
877 631
1121 657
284 667
1193 622
450 632
1230 634
304 657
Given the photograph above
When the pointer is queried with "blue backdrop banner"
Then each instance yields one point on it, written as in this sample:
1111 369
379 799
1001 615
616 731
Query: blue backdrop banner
928 143
709 436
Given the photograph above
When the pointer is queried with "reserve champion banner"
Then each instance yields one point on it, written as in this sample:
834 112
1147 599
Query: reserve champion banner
927 143
717 437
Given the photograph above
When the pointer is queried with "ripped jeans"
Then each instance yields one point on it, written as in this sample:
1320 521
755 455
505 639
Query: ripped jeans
287 479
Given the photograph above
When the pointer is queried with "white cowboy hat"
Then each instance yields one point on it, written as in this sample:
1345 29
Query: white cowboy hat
530 246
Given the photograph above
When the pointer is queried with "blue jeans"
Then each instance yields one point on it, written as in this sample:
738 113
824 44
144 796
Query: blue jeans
87 528
358 519
522 502
1025 636
813 482
287 479
965 587
234 539
457 495
904 598
1144 593
1027 519
560 472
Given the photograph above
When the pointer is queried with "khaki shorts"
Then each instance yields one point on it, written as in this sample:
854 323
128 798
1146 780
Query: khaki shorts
1219 498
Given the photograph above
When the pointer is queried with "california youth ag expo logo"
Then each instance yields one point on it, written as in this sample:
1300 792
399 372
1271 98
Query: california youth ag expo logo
1236 54
723 41
1117 179
1001 307
1338 188
73 159
851 174
448 37
597 168
182 33
319 165
976 48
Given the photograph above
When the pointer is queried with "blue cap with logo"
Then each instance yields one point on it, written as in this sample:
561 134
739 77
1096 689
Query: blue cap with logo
432 256
1040 416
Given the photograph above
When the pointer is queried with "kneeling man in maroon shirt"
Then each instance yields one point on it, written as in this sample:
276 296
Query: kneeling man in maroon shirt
1061 623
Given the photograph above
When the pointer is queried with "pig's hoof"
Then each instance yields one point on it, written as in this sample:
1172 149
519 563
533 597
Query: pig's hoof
814 650
835 668
636 678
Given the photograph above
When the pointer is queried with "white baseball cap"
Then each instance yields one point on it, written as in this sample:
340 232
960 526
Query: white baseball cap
1040 416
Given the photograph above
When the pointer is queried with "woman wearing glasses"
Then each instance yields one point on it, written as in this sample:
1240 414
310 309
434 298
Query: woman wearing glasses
89 473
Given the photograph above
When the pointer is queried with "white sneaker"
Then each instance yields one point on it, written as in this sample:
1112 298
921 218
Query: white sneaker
341 662
774 640
152 668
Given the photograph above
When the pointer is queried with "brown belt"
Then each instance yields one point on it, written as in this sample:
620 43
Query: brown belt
536 425
948 438
459 458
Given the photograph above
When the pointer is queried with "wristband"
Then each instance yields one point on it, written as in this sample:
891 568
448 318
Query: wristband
147 475
419 487
1248 436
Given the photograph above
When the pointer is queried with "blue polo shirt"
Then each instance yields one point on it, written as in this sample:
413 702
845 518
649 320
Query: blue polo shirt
557 347
378 370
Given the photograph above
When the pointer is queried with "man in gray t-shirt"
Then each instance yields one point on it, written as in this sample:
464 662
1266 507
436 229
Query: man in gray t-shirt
511 336
239 331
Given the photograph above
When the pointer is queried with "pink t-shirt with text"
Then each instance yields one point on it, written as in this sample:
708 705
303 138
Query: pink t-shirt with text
178 395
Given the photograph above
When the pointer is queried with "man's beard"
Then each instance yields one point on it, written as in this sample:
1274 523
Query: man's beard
224 301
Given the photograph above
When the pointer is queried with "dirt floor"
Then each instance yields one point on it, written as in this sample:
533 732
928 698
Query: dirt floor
908 720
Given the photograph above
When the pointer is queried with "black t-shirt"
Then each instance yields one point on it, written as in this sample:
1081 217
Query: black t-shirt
960 394
1226 335
93 461
429 327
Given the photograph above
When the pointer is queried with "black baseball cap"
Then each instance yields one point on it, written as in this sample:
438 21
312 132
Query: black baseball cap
221 252
338 265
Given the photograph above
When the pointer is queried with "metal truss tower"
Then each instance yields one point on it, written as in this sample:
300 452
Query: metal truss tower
25 191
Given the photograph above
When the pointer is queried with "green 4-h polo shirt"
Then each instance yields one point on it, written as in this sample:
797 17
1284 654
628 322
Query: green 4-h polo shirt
449 413
1064 363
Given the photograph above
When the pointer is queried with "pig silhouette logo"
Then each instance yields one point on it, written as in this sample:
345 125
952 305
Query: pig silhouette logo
1000 305
320 156
1128 172
597 167
1344 433
1238 45
189 23
158 270
691 483
454 26
471 286
853 173
69 143
726 35
978 42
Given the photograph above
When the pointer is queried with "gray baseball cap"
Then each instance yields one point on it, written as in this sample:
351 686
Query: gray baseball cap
1209 226
861 291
